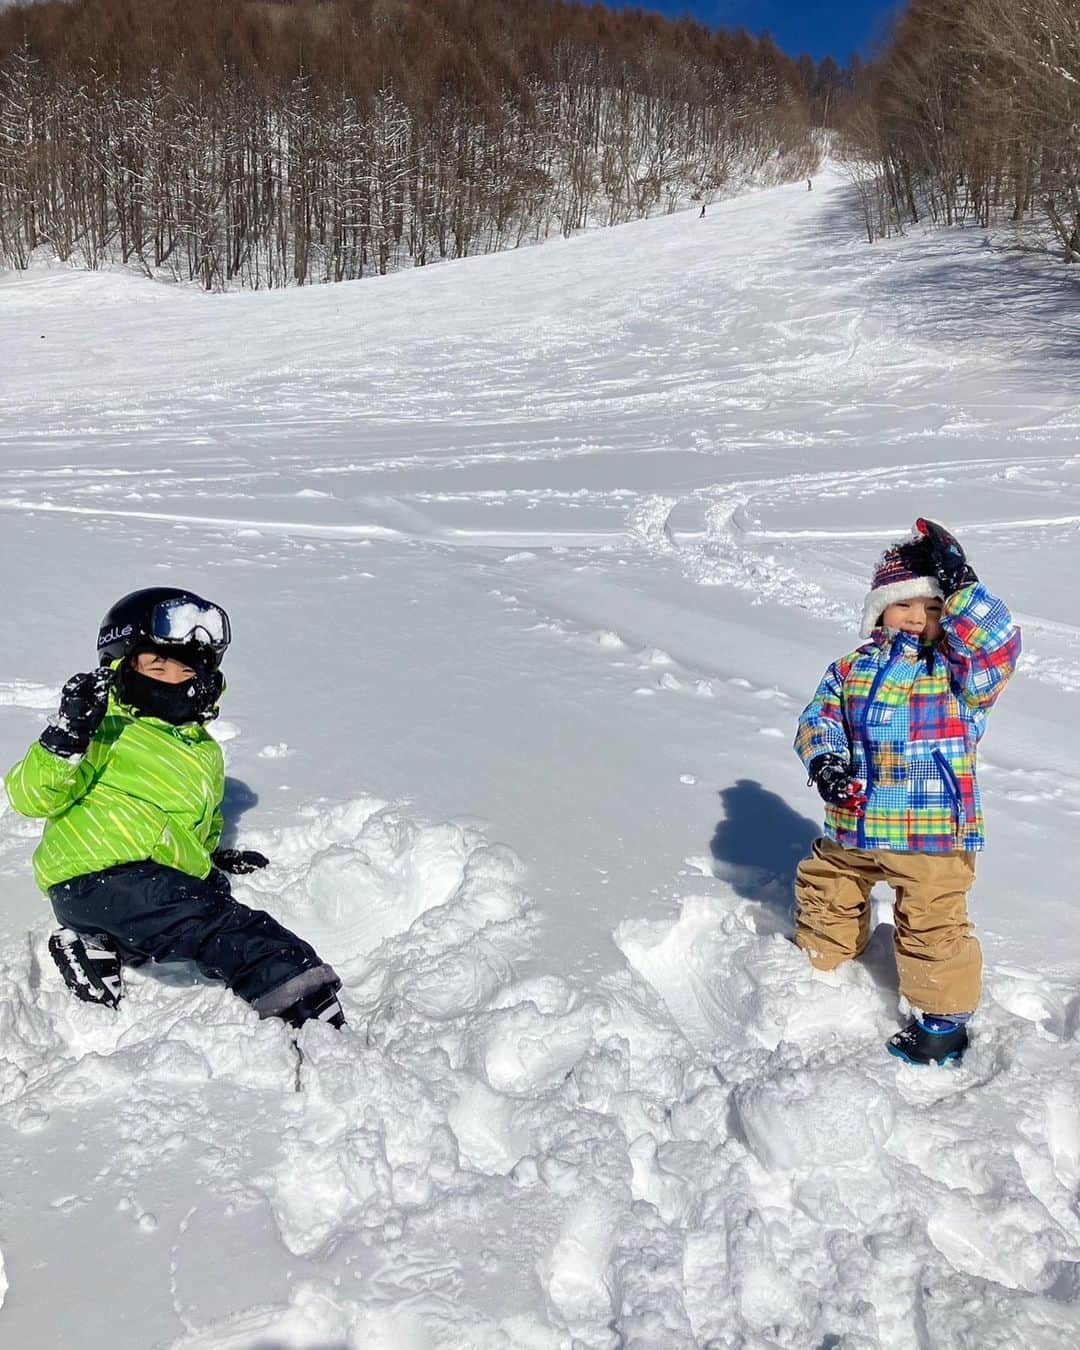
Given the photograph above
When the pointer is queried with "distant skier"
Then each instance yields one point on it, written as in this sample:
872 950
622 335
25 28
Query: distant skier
809 185
702 216
890 741
130 785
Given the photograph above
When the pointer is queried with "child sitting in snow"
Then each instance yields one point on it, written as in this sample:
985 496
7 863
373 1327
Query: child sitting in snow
130 785
890 740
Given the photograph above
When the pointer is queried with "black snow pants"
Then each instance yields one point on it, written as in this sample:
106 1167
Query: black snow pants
155 913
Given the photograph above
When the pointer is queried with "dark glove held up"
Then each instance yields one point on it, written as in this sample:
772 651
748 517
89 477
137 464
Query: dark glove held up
84 700
239 861
945 557
832 776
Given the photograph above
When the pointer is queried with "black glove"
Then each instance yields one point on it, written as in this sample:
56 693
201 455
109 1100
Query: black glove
941 557
239 861
84 701
836 784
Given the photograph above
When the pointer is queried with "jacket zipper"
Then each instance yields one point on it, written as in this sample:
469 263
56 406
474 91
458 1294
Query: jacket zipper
954 790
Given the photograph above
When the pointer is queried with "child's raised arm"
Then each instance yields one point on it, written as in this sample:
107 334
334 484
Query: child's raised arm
53 773
982 644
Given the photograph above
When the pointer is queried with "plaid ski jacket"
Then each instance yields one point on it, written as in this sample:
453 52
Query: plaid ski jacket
910 725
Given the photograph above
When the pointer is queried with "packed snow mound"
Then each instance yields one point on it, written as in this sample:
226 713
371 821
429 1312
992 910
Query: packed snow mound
956 1180
800 1119
425 923
709 1142
419 918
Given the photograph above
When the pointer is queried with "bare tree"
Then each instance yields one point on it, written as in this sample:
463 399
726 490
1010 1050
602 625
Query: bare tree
233 142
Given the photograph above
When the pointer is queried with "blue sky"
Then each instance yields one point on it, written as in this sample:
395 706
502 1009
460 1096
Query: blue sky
820 27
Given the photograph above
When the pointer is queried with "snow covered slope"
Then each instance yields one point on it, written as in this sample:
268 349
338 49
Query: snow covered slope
533 560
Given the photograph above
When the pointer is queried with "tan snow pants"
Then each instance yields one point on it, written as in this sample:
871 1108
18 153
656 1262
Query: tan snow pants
938 959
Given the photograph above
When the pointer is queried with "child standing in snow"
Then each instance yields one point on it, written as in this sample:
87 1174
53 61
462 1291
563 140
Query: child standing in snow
890 740
130 785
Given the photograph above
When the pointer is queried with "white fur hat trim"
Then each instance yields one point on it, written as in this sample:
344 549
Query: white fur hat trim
877 602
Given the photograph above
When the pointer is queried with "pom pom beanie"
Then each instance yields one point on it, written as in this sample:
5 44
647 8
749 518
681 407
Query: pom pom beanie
896 579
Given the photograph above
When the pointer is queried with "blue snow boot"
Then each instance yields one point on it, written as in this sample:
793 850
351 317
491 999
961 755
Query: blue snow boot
929 1040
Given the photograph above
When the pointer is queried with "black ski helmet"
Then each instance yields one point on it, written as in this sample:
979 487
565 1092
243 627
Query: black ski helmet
166 617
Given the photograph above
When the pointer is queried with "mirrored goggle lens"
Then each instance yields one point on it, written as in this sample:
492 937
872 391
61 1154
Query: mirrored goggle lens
185 621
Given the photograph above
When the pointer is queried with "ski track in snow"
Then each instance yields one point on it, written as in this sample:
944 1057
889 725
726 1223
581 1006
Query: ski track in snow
654 466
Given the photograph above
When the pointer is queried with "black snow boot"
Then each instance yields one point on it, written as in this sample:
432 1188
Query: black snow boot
89 965
321 1004
918 1044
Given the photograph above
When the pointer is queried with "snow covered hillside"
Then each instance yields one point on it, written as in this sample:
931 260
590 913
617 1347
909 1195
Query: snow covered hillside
532 561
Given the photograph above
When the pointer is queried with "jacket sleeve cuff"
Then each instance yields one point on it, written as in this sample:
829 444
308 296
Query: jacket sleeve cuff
54 768
72 759
961 600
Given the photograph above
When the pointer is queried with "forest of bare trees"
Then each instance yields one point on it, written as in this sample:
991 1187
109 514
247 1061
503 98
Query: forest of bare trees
271 142
973 115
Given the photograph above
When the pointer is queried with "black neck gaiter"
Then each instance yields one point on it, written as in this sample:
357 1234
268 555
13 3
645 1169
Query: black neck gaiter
192 701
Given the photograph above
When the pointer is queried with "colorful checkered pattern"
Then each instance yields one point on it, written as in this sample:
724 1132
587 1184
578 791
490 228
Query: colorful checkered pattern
911 732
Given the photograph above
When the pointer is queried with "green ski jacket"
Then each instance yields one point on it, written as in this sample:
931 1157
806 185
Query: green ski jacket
144 791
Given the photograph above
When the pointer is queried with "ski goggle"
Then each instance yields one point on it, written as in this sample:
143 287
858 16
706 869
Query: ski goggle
189 622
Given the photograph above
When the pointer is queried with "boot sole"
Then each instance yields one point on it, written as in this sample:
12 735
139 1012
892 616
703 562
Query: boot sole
953 1057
